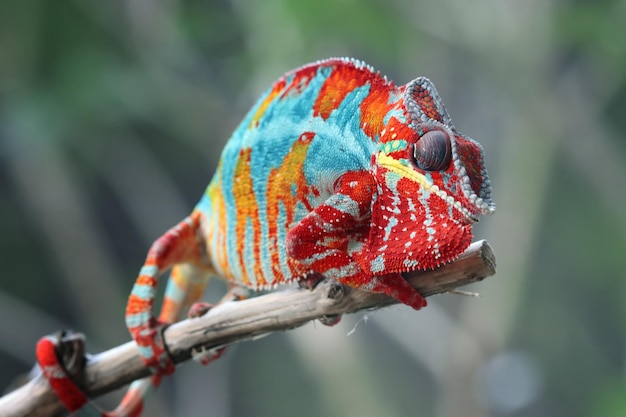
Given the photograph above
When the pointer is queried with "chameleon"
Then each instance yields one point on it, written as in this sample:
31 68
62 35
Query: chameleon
335 171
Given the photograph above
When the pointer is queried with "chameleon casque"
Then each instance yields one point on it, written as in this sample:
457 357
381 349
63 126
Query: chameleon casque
334 171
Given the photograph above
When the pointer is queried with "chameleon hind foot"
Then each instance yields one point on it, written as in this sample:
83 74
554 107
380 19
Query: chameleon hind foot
203 355
200 354
199 309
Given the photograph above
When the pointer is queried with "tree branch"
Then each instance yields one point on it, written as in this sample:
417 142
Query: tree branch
243 320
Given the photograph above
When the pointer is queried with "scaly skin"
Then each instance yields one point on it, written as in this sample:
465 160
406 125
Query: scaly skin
334 171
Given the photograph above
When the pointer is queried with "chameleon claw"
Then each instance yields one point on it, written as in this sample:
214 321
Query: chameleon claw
330 320
205 356
199 309
311 280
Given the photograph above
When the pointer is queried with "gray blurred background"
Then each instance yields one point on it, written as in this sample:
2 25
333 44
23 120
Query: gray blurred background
112 117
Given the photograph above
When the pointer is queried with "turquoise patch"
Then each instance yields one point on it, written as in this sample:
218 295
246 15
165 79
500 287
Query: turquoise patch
392 223
139 319
146 351
393 146
173 292
378 264
143 291
151 270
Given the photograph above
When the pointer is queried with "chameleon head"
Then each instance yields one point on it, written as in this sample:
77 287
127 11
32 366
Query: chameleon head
432 184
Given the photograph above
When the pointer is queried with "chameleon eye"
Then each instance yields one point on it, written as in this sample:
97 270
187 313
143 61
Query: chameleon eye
432 151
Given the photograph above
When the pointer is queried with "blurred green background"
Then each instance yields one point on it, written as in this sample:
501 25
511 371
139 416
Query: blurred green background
112 117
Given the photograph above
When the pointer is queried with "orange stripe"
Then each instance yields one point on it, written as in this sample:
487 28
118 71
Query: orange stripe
246 209
147 280
373 110
278 87
137 305
341 81
279 180
170 310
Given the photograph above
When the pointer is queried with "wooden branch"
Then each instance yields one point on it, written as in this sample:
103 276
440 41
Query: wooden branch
243 320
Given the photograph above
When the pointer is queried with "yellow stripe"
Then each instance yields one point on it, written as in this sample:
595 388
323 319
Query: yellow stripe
404 171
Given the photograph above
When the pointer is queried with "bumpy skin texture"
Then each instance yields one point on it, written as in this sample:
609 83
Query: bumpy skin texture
334 171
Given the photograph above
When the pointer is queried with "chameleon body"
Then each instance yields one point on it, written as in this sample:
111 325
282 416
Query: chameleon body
320 176
334 171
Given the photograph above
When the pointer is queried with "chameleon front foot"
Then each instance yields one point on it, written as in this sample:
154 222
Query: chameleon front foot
309 282
394 285
330 321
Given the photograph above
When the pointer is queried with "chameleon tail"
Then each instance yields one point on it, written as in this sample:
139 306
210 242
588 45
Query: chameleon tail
181 245
185 287
72 397
181 248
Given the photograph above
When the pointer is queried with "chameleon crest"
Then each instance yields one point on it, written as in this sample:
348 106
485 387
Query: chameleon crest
335 171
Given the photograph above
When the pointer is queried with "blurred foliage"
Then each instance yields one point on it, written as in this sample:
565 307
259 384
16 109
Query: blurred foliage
112 118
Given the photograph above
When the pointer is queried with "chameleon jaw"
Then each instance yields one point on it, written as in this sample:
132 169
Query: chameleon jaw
395 166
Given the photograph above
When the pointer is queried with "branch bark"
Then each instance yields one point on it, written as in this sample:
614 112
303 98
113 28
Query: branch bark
244 320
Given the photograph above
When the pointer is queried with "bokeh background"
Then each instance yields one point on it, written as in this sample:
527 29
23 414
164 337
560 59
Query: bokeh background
112 118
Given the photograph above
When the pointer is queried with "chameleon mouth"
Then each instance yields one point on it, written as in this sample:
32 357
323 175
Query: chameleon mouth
483 207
